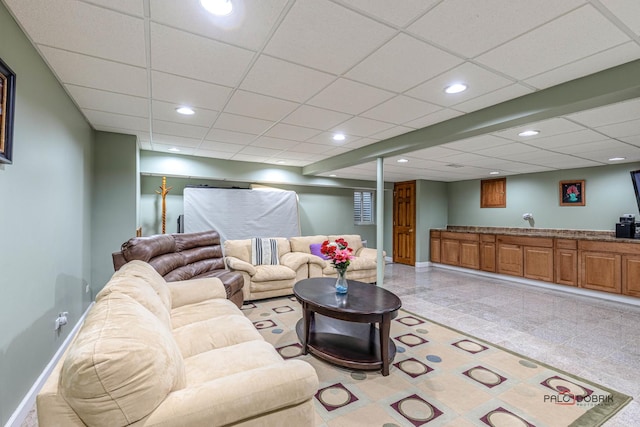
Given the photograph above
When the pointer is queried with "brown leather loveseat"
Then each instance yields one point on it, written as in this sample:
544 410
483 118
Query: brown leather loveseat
183 256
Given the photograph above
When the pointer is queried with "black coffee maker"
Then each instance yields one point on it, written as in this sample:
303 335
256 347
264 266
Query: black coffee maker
626 228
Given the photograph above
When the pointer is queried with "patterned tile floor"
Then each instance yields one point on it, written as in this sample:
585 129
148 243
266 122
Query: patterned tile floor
596 339
593 338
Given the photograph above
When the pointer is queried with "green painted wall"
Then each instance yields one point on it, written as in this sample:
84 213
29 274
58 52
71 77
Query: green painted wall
323 210
609 194
431 212
114 201
45 248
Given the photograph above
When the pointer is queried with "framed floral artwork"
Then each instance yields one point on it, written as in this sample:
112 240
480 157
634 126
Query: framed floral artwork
572 193
7 99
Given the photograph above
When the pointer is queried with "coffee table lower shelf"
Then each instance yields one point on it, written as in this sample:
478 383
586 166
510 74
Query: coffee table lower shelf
348 344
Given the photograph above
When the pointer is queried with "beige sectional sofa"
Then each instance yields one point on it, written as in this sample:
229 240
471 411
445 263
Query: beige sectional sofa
296 262
154 353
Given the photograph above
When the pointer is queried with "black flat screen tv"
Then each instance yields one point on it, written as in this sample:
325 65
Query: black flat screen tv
635 178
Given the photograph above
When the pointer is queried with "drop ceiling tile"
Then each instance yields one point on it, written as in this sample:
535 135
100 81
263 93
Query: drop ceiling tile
170 148
222 135
184 91
361 142
189 55
222 147
116 121
282 79
167 112
360 126
213 154
105 33
274 143
612 146
508 151
258 106
323 35
555 126
479 82
482 25
583 32
382 68
400 14
433 118
296 155
326 138
82 70
259 151
248 158
179 129
555 142
242 124
628 11
177 141
126 6
310 148
296 133
433 153
349 97
492 98
567 162
400 109
391 132
248 24
620 130
626 52
610 114
476 143
110 102
316 118
634 140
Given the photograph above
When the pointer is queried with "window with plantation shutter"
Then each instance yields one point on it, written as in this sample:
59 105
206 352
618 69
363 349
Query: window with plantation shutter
363 207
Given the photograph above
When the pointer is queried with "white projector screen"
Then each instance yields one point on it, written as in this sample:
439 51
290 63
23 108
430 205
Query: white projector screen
241 214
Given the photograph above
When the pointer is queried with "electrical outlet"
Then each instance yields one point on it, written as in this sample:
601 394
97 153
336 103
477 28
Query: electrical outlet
61 320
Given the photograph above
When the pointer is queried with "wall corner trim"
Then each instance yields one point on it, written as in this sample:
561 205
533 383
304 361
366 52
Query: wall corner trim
29 400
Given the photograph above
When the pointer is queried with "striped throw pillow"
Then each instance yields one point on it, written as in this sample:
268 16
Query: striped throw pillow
264 251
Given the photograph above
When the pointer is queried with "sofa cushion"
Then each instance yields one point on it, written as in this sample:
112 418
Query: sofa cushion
147 273
212 308
122 365
139 290
264 252
266 273
303 243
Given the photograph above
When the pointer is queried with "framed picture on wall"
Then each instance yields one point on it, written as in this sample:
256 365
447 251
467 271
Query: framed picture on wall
7 100
572 193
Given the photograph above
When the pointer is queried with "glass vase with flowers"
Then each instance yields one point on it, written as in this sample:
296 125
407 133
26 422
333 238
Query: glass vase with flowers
340 255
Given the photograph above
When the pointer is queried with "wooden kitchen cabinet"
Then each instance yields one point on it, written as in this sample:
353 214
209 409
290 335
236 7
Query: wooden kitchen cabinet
538 262
566 262
434 245
530 257
460 249
631 275
509 254
488 252
601 271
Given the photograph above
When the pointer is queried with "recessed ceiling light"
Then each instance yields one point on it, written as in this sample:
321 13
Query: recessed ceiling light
280 162
494 173
616 159
339 137
333 175
217 7
529 133
187 111
174 149
402 160
456 88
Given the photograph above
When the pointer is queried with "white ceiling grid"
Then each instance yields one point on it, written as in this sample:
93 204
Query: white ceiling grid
276 79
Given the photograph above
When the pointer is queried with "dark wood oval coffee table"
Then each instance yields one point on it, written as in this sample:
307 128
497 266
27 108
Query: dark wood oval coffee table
341 329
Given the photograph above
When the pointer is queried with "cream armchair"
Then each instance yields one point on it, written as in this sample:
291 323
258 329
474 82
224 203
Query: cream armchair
266 281
363 266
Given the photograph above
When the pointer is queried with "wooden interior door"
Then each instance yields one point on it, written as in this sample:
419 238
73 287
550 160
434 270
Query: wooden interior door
404 222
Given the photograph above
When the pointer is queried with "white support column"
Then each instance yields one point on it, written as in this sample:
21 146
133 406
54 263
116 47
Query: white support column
380 219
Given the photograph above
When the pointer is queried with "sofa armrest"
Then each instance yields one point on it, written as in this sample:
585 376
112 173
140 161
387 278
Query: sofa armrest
237 264
294 260
192 291
367 253
236 397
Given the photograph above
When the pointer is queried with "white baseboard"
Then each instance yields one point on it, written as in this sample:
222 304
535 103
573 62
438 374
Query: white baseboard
561 288
423 264
21 412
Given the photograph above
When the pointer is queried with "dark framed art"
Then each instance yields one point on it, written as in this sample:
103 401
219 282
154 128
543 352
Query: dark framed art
572 193
7 106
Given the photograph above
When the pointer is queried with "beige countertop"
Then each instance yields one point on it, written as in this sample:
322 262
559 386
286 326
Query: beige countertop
602 235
